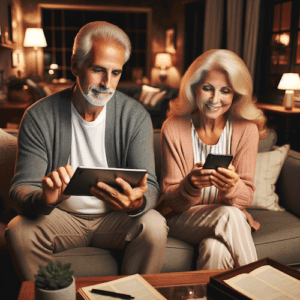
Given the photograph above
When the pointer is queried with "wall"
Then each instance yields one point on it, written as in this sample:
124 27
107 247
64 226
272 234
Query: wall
6 53
165 13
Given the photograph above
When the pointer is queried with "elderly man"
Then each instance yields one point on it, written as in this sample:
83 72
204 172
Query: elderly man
92 125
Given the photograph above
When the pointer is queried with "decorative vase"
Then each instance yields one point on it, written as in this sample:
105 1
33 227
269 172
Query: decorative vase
67 293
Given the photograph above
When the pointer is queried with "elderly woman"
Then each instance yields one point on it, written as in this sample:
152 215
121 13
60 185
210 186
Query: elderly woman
214 113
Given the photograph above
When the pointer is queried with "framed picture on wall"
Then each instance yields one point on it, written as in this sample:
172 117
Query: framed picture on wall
171 40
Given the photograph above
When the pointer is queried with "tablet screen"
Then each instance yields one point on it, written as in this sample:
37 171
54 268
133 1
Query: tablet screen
84 178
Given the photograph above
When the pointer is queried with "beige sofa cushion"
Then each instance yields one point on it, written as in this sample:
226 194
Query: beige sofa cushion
268 167
8 149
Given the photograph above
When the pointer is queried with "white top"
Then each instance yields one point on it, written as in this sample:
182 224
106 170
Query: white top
88 150
209 194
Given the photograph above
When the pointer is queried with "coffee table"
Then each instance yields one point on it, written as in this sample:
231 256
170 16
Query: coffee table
175 279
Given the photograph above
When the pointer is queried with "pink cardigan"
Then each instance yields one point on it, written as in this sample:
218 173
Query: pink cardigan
177 161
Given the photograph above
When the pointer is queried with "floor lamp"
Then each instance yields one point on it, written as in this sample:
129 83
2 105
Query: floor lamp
34 37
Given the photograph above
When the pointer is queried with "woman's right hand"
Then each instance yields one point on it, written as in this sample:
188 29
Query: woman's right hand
199 177
55 183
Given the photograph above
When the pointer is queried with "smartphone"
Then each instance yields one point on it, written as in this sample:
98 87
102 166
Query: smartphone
213 161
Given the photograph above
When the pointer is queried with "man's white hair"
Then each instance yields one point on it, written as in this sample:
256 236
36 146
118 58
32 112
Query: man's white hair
84 39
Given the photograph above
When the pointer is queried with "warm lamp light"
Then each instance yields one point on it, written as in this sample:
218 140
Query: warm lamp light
289 82
34 37
163 62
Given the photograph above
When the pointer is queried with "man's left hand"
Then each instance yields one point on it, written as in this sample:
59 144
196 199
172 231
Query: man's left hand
128 200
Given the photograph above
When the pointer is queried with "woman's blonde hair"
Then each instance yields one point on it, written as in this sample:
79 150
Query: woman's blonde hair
243 105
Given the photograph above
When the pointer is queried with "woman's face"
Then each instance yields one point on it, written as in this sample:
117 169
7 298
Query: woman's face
214 94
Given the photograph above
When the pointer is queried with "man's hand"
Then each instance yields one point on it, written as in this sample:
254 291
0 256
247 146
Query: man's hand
128 200
55 183
199 177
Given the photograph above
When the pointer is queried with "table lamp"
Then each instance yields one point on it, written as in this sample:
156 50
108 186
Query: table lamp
34 37
163 62
289 82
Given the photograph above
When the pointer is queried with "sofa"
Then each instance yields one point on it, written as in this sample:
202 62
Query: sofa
278 237
155 99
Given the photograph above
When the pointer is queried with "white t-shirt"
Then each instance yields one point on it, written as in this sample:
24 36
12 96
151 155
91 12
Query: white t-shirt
88 150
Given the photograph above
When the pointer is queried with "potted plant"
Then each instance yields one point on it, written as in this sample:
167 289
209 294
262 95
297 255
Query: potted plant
55 282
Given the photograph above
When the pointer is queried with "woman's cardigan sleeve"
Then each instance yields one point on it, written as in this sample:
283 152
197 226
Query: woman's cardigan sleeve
244 150
177 163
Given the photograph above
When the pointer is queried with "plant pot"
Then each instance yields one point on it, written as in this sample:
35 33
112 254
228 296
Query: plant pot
68 293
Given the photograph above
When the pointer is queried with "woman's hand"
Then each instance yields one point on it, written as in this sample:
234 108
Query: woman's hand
223 178
200 178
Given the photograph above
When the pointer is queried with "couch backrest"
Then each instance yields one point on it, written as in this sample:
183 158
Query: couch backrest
157 154
8 149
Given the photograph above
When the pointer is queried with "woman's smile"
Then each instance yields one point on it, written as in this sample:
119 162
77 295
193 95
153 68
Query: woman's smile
212 107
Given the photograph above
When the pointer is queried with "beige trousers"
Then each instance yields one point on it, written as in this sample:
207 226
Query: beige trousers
32 242
221 232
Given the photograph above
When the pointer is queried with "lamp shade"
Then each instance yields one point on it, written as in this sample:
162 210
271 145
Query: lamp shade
289 81
34 37
163 60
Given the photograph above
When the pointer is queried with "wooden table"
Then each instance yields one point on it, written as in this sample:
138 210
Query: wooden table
156 280
278 109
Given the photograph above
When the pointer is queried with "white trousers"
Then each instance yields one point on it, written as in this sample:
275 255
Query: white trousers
221 232
32 242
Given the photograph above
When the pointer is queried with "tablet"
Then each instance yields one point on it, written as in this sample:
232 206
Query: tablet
84 178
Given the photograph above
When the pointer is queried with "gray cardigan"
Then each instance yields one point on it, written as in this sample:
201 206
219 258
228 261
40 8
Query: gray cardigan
44 144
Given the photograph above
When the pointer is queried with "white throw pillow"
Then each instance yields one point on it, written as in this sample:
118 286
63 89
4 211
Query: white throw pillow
268 167
151 96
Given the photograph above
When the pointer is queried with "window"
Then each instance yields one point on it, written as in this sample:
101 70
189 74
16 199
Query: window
61 24
285 40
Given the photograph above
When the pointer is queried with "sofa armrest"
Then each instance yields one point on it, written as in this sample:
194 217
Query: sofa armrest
288 184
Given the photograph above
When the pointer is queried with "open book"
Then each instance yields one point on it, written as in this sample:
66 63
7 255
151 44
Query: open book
134 285
266 283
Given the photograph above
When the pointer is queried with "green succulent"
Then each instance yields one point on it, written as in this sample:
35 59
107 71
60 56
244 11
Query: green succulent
54 276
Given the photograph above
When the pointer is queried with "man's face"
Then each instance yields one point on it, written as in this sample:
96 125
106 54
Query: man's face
99 75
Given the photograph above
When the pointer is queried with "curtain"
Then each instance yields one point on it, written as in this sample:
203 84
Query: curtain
251 33
234 25
213 24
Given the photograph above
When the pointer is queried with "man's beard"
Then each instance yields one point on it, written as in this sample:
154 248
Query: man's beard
98 99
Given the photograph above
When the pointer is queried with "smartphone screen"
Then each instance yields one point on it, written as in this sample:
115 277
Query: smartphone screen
214 161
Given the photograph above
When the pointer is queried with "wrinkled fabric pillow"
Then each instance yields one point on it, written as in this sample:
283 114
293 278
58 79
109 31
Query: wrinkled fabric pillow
151 96
268 167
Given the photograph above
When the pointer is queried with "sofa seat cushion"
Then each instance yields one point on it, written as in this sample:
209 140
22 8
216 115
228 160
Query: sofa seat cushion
90 261
179 257
278 230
